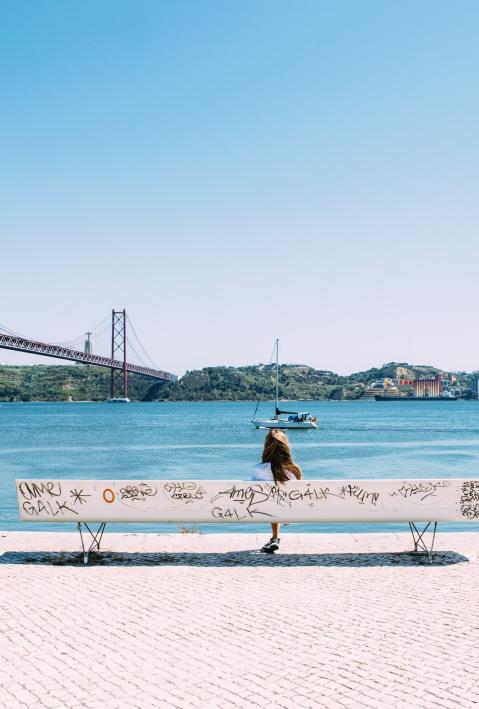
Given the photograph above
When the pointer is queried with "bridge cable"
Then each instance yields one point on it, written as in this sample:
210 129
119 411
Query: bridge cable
149 359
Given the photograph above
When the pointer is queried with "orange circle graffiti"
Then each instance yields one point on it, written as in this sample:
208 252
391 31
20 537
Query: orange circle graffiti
111 495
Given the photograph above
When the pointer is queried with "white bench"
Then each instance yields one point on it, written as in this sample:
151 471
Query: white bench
413 501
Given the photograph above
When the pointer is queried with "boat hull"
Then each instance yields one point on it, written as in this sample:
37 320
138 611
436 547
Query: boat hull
279 423
378 397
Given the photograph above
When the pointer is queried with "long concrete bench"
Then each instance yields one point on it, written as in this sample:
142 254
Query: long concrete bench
85 502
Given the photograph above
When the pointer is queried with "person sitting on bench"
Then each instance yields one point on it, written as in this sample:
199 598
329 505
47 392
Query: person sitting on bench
276 464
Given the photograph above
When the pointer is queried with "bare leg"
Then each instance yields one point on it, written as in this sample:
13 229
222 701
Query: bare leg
275 529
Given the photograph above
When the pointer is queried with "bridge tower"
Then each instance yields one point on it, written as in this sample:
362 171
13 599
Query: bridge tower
87 347
118 351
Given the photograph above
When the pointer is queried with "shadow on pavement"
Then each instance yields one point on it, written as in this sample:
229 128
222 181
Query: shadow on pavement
234 558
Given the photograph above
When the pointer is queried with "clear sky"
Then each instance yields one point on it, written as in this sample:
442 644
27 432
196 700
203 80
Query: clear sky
232 172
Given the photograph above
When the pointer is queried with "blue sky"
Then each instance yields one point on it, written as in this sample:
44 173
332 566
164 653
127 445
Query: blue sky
232 172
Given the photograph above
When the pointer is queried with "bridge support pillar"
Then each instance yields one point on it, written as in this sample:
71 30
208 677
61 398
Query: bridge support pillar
119 378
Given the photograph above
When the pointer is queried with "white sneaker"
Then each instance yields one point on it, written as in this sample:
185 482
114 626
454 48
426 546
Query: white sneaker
271 546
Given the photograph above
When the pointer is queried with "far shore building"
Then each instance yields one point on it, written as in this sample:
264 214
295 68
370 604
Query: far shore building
427 387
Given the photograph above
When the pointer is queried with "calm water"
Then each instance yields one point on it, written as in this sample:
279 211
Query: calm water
362 439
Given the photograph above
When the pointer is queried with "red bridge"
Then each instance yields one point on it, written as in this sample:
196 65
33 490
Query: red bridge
114 363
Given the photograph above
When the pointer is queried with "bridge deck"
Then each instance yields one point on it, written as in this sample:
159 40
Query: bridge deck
20 344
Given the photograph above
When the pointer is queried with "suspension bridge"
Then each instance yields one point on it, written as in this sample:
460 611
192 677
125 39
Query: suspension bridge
112 334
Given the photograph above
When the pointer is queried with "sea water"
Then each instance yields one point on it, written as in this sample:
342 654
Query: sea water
216 440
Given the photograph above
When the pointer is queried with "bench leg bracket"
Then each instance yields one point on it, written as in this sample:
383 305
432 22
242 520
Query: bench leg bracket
94 542
420 541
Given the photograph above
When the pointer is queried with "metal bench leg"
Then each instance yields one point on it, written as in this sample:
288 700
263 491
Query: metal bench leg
95 541
420 541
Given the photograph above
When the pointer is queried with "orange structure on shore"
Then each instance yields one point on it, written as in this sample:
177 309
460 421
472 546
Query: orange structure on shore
428 387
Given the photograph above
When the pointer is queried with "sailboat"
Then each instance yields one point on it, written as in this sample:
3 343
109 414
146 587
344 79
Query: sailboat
295 419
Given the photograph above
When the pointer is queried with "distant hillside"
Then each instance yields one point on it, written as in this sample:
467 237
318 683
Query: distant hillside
395 370
299 382
244 383
63 383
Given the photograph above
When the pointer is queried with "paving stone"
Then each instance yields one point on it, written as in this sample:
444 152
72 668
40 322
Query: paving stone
200 621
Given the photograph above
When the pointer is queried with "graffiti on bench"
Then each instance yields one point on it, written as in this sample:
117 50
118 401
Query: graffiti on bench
470 499
422 490
184 491
239 501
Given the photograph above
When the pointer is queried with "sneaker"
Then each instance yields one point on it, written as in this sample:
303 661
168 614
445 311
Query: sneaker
271 546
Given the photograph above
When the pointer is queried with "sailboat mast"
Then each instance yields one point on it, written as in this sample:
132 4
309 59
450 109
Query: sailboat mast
277 374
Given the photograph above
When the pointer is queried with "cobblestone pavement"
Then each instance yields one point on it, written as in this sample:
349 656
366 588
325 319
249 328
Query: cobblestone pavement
191 620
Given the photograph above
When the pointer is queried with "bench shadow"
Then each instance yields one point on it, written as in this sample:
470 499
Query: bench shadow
235 558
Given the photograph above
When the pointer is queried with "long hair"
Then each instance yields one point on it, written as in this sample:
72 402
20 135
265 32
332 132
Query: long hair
278 452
